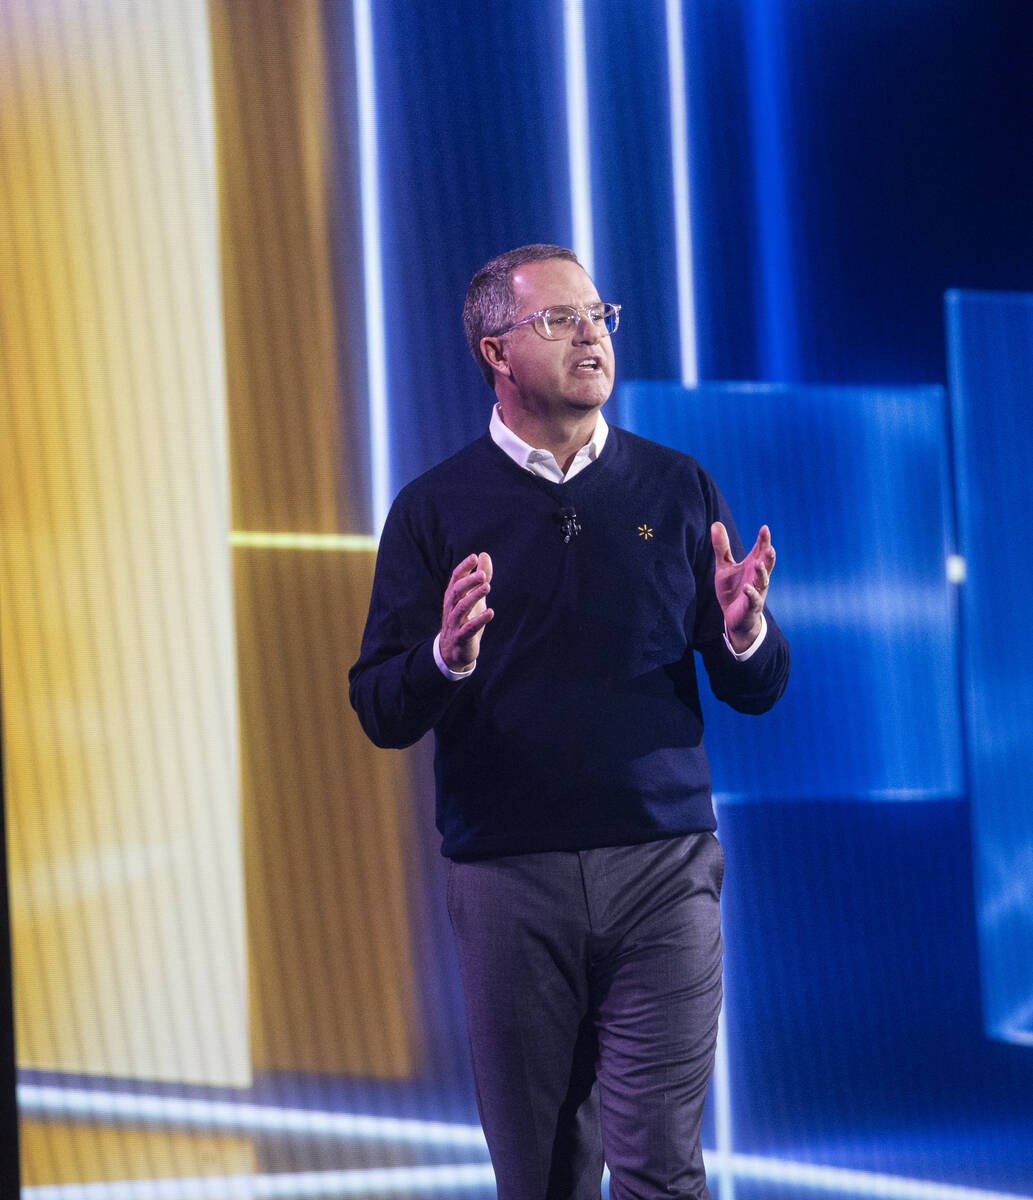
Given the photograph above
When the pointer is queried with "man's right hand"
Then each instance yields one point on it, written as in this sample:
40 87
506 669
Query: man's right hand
465 612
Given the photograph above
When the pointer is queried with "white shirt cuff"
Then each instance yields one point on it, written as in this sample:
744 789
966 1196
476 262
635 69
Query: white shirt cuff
455 676
746 653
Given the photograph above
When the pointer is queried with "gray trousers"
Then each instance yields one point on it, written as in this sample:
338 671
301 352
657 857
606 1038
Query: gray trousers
592 982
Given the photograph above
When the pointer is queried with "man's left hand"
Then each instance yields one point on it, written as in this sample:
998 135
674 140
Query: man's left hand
741 587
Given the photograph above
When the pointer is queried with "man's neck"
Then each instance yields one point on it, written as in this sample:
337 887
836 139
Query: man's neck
562 435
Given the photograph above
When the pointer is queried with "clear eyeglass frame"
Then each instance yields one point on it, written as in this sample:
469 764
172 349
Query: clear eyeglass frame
559 321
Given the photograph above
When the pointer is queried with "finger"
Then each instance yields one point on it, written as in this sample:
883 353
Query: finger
469 632
466 605
474 625
763 551
464 568
474 569
767 551
760 546
483 572
719 540
460 587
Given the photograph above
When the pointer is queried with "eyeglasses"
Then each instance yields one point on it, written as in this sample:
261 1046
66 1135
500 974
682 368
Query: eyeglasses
560 320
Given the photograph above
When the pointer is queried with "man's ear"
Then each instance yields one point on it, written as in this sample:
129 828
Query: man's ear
494 351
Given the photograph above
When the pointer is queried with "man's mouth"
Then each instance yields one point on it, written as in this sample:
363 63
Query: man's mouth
588 364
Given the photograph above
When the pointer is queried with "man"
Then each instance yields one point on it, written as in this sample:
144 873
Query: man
573 791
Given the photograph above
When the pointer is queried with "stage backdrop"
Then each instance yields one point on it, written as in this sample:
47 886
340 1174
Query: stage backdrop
234 242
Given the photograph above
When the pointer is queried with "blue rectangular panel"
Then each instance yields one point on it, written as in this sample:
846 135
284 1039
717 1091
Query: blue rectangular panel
990 342
854 484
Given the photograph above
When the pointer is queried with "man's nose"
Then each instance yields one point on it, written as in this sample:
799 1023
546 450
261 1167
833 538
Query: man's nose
587 329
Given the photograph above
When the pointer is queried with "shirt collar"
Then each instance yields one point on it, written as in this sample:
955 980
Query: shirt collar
532 459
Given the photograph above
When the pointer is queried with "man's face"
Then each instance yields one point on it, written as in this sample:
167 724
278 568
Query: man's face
570 375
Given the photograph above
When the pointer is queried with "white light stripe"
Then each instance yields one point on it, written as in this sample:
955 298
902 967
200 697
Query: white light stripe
845 1179
216 1114
680 181
722 1097
384 1180
372 264
303 541
578 151
366 1181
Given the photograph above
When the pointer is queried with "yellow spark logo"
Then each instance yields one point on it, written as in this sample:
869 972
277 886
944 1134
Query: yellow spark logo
645 532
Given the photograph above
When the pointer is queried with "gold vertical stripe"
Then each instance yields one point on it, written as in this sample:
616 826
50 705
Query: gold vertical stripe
326 815
120 734
274 190
328 831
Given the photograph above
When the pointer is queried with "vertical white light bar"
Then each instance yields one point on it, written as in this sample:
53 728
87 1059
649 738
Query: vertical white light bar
680 181
722 1096
372 265
576 74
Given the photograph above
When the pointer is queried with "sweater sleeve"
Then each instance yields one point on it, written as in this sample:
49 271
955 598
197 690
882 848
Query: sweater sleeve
395 686
754 685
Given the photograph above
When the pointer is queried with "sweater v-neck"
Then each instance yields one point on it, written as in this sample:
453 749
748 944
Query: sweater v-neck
586 480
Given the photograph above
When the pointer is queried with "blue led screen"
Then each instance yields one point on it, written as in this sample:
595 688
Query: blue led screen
991 355
851 162
853 483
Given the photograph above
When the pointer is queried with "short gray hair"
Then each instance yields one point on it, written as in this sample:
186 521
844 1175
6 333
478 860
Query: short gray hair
490 303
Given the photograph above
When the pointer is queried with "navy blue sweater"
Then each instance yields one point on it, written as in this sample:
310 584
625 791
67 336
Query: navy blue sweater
581 725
